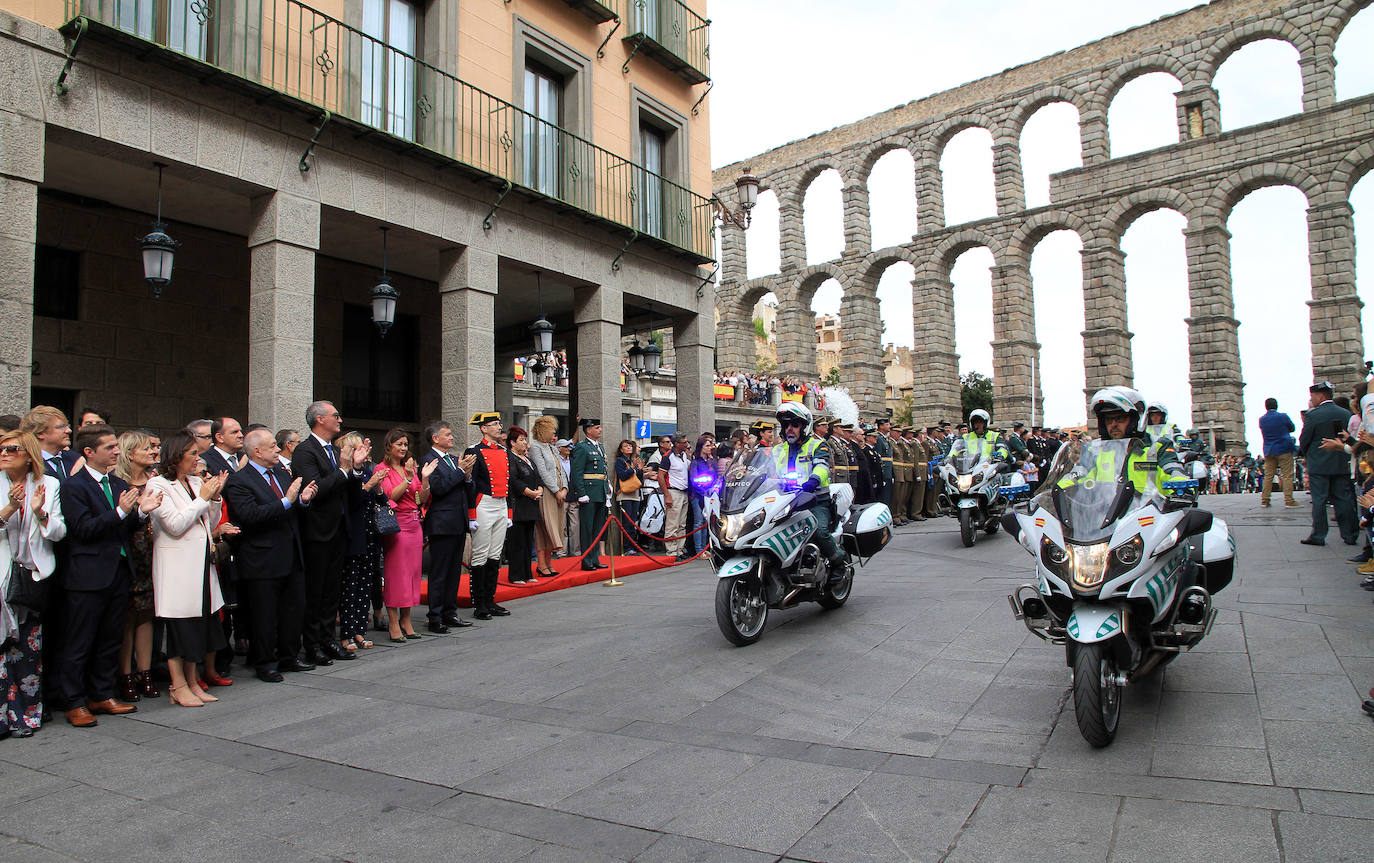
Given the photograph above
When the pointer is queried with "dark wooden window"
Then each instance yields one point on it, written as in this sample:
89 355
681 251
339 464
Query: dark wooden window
379 373
56 282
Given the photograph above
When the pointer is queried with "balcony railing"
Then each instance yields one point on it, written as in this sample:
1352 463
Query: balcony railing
673 35
292 49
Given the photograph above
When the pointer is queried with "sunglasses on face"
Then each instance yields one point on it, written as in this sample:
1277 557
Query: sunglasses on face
11 449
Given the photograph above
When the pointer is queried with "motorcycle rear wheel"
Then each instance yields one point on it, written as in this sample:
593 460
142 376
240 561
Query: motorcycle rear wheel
967 532
1096 700
741 610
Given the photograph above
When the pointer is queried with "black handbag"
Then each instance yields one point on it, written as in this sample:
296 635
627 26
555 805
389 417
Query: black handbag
24 592
385 519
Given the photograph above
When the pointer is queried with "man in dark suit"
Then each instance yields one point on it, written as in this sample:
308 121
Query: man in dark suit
54 433
220 445
324 529
226 453
446 525
1328 465
102 514
261 499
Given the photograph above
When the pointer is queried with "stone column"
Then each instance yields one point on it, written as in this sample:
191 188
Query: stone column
1337 334
1198 112
796 340
735 335
694 335
598 312
1318 79
930 193
284 237
934 364
21 170
1093 136
791 235
861 367
1106 334
1007 176
1014 348
858 232
733 254
467 353
1213 346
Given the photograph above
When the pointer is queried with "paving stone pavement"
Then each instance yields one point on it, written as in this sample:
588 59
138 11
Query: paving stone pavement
920 722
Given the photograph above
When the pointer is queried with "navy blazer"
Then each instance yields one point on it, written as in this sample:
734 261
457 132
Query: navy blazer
448 497
325 518
269 543
69 458
216 463
95 532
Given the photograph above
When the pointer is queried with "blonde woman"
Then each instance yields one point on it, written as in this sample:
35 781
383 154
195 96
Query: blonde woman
548 530
139 452
30 522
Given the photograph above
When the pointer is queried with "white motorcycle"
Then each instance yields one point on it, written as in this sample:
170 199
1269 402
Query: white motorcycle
1126 575
763 542
975 492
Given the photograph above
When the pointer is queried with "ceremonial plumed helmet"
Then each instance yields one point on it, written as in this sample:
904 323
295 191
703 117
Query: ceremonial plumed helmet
795 412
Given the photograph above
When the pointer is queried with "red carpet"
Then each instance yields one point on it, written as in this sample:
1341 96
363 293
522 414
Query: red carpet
570 574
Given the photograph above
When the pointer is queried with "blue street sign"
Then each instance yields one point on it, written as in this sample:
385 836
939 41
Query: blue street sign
641 428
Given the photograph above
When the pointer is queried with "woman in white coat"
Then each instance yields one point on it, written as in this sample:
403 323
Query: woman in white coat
186 592
31 520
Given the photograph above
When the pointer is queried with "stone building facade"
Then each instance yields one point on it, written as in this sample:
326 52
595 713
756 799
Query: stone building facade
1323 151
284 154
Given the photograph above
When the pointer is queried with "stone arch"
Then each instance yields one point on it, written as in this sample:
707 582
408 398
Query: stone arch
954 245
809 175
1042 96
1254 31
1330 28
1137 204
1349 172
1230 190
875 263
805 285
939 136
864 166
1034 229
1129 71
750 292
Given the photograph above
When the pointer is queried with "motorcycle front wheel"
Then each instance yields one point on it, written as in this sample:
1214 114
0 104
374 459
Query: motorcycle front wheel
741 610
831 597
1096 694
967 532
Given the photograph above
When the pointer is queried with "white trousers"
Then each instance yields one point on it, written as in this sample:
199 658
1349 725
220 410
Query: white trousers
490 537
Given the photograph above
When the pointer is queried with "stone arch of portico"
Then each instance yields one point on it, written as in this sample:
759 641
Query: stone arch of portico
1129 71
1254 31
865 165
1335 21
942 258
1035 229
1350 171
1042 96
1125 211
874 264
1236 186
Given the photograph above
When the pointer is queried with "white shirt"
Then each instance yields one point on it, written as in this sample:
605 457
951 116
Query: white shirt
677 470
229 457
100 478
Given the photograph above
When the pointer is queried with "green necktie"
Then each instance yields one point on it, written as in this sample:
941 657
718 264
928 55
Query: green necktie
448 460
109 496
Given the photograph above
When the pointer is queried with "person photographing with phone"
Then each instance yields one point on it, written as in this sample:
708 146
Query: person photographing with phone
1328 464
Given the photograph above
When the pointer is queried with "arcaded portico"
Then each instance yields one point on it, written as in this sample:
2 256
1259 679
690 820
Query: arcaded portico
1323 151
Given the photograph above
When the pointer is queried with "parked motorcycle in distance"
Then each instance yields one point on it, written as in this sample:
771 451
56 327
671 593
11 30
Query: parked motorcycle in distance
1125 574
763 541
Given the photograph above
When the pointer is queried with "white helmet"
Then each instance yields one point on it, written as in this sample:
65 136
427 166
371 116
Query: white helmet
794 412
979 414
1151 407
1111 400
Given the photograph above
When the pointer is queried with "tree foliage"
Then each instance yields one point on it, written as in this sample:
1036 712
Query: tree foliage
759 330
975 392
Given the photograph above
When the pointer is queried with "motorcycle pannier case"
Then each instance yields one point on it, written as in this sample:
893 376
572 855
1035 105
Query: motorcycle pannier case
868 528
1215 554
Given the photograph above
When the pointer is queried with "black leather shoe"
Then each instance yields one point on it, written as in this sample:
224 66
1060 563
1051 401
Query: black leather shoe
267 675
1310 541
1350 541
498 610
336 651
437 628
456 622
289 665
314 658
481 614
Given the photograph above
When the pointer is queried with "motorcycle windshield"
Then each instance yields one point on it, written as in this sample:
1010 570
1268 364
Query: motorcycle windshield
746 479
966 456
1088 487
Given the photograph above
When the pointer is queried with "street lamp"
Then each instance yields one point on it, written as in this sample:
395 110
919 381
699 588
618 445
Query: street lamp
542 332
158 248
653 355
747 187
384 296
636 356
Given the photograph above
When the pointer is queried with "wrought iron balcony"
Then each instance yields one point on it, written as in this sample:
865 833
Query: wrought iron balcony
673 35
287 49
599 11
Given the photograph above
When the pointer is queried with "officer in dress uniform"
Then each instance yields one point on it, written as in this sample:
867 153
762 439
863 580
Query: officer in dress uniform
859 476
841 464
920 469
488 513
882 448
764 434
587 484
872 462
901 476
935 483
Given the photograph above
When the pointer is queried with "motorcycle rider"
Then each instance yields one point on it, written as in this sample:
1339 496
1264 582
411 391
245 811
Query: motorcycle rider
978 435
1119 411
807 455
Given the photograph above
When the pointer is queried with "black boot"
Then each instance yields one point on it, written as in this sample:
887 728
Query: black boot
477 588
493 574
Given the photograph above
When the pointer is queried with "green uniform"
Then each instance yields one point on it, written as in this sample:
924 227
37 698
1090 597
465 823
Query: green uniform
920 472
840 468
934 449
901 477
587 477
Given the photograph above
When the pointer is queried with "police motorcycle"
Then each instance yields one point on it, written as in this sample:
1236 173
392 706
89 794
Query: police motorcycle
975 492
763 544
1125 575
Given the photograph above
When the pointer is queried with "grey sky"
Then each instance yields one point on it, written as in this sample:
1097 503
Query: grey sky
785 69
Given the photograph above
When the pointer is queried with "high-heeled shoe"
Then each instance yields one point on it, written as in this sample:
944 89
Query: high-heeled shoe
144 680
187 700
214 679
203 695
128 687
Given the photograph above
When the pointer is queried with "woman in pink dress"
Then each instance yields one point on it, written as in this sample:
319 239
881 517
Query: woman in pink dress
401 552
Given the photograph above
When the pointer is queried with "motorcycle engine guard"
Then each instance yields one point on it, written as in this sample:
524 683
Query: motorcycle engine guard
967 503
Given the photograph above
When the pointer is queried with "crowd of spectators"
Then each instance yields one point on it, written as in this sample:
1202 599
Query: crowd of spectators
759 386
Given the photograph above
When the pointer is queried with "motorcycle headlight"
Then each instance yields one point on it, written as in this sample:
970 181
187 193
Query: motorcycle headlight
1056 559
965 482
1126 556
735 526
1089 564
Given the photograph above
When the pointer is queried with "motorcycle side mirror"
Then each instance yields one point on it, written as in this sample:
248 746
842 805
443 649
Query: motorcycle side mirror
1195 522
1178 502
1012 525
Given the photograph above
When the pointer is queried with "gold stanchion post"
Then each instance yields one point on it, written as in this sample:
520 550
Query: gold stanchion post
610 547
